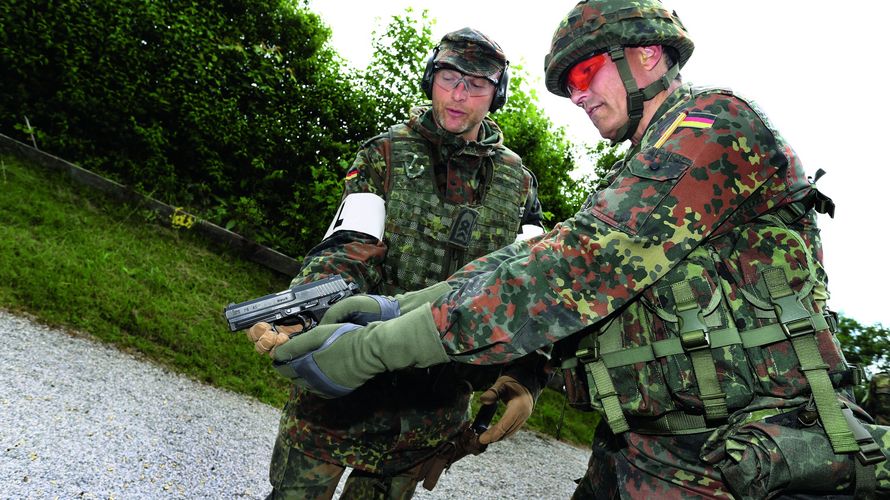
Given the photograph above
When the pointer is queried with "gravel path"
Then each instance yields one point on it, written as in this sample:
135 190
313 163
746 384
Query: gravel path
79 419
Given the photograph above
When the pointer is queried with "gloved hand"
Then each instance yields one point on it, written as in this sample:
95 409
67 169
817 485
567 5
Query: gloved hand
333 360
519 401
265 337
364 309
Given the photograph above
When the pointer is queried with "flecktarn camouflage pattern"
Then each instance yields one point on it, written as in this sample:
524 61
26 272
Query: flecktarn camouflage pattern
879 398
595 26
472 53
700 265
397 420
429 238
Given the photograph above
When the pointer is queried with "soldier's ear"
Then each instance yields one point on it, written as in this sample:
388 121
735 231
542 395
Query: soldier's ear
650 55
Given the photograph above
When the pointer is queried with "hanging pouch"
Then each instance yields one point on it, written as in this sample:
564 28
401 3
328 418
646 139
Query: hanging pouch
790 453
778 455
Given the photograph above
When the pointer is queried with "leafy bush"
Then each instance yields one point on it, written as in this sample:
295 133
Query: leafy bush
231 108
236 110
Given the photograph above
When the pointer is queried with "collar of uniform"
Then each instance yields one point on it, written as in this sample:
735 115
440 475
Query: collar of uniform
675 100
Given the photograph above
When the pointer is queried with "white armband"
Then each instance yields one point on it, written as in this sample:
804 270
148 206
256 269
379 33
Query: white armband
529 231
361 212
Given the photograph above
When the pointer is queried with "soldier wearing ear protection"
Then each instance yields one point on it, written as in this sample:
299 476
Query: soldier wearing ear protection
474 54
686 299
421 200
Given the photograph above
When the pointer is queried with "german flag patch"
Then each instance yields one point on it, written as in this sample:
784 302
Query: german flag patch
698 120
351 174
686 120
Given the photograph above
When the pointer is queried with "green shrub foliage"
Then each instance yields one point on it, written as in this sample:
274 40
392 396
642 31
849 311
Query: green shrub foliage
236 110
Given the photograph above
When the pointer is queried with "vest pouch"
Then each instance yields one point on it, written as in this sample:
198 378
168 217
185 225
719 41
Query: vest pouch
621 370
780 455
697 345
763 459
770 249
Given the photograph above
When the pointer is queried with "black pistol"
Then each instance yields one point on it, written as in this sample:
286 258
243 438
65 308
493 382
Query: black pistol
303 304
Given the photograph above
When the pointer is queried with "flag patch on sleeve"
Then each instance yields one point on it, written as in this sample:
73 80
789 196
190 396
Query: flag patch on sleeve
698 120
352 174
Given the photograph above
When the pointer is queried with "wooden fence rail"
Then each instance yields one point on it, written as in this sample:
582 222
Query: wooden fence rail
248 249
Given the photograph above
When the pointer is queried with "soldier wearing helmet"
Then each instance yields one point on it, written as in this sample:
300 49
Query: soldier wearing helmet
687 298
420 200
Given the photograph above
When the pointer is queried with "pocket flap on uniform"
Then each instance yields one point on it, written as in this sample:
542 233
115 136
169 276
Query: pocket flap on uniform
659 165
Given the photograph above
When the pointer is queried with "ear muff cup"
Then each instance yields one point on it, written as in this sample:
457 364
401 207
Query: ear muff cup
426 83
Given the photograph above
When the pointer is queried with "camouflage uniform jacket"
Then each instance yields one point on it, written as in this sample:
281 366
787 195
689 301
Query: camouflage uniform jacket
709 173
719 168
398 419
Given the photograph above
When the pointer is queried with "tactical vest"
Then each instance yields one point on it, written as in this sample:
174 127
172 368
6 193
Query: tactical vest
738 324
427 237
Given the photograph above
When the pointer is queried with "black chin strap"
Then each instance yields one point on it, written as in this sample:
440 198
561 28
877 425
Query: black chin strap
635 96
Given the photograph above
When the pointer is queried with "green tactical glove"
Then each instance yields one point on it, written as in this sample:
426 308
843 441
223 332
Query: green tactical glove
364 309
335 359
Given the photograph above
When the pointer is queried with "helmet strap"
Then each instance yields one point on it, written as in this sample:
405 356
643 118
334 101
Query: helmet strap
635 96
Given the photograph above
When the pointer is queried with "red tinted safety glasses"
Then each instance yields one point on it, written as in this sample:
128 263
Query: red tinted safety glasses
582 74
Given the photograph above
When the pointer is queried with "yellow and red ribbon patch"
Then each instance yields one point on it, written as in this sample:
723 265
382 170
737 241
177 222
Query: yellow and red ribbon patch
698 120
688 120
352 174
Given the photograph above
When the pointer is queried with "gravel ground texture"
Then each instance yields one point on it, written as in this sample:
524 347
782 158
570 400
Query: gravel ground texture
80 419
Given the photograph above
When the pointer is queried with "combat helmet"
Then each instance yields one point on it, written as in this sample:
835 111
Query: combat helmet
595 26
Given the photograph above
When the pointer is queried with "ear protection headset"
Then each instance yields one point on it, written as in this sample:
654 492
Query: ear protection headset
500 94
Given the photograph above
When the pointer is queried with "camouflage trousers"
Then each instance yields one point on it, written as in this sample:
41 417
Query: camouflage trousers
300 477
714 465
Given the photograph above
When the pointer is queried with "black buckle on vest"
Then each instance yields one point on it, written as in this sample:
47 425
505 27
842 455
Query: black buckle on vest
832 319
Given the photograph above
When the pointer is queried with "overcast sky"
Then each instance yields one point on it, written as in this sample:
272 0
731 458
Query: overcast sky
816 68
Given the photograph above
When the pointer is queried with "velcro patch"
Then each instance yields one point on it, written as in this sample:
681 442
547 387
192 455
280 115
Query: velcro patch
462 228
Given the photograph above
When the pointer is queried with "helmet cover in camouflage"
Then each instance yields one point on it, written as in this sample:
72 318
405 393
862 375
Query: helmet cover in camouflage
471 53
596 25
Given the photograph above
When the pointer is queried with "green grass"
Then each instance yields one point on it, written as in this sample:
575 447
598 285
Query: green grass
75 259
